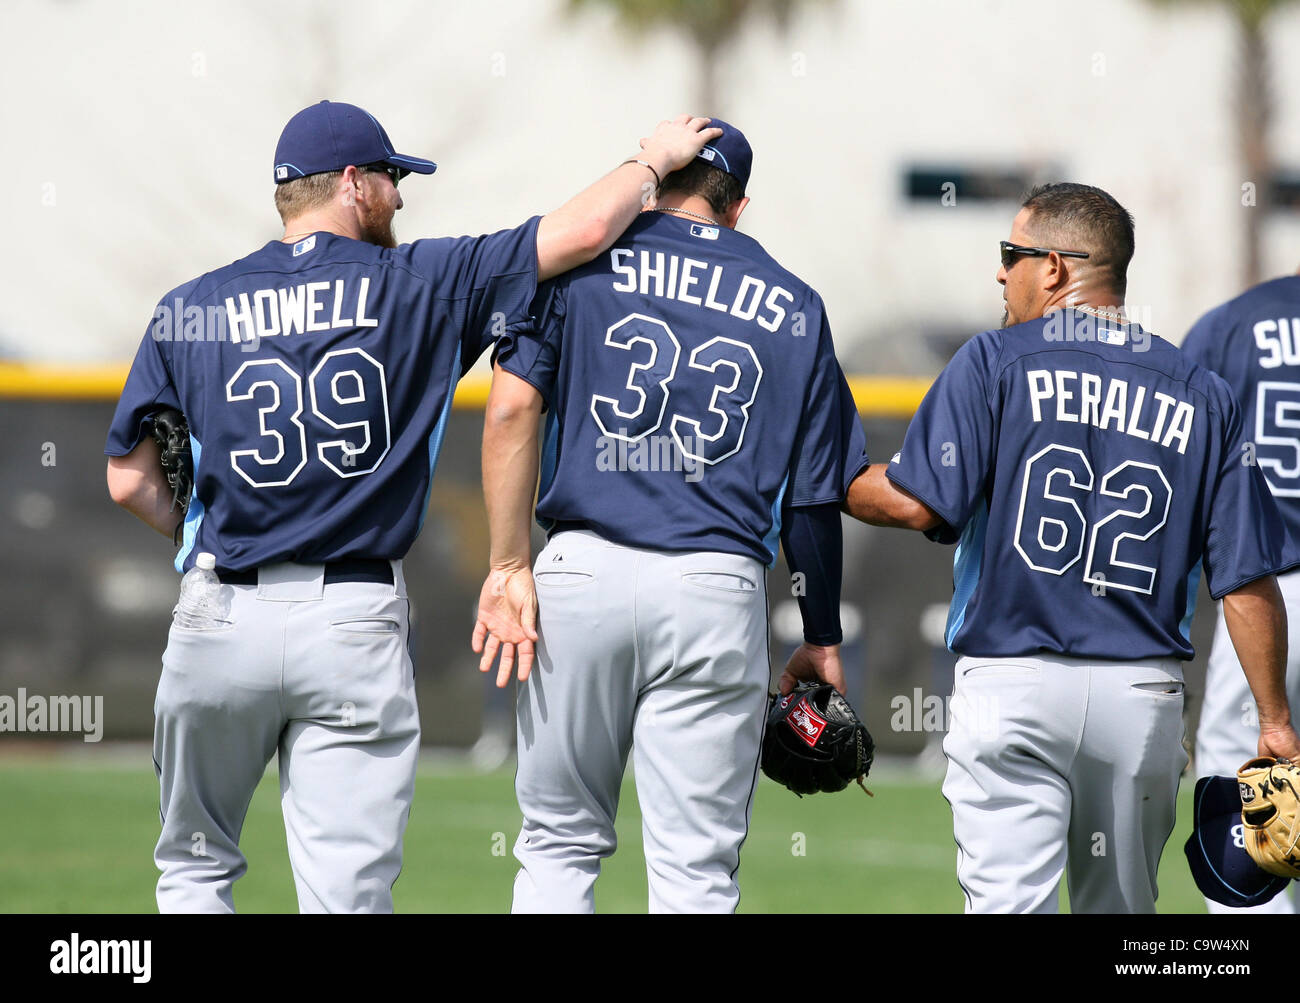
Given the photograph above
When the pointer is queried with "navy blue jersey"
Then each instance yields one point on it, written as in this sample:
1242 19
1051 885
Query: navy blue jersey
1253 342
1092 471
692 389
317 379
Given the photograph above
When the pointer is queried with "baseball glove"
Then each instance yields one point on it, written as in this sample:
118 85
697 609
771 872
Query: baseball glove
1269 808
814 742
172 433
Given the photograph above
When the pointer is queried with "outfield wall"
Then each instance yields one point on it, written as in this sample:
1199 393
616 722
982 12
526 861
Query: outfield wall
86 591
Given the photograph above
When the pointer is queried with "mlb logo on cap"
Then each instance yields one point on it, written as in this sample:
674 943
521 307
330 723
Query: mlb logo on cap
730 152
1216 849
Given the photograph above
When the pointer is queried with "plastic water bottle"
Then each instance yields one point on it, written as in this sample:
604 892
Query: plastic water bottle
202 603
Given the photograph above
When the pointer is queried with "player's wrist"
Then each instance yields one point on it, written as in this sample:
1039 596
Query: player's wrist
646 165
658 161
509 565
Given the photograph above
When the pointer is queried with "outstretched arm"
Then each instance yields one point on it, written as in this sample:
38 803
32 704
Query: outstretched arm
1256 620
507 607
875 499
593 219
137 483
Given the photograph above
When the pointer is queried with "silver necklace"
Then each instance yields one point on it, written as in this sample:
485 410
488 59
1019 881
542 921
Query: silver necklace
687 212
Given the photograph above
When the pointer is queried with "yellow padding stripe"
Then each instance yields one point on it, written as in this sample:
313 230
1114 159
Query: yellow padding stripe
877 396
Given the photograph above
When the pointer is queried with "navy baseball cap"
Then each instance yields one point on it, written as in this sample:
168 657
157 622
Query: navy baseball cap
331 135
1223 870
729 152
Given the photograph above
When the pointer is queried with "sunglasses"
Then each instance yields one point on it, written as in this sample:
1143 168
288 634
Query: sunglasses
1010 250
394 173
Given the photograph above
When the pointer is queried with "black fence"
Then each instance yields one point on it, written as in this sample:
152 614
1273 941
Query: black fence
88 590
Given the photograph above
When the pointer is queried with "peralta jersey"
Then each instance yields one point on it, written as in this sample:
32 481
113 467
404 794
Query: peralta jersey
1253 342
1092 470
317 379
692 389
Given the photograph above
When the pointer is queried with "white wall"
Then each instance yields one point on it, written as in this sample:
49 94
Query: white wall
139 140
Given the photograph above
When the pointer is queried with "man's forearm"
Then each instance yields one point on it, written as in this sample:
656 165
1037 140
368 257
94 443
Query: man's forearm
590 221
814 548
510 476
874 499
593 219
136 482
1256 618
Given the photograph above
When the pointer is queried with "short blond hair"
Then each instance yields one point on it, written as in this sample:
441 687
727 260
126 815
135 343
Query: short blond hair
300 195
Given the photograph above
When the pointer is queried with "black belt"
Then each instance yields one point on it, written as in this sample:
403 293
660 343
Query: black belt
353 569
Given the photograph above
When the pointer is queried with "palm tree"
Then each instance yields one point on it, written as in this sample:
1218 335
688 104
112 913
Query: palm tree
1253 105
710 25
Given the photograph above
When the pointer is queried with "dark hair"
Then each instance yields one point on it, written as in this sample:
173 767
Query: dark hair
699 177
1088 217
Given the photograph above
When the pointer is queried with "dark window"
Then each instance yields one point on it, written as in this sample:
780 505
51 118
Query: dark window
941 185
1285 190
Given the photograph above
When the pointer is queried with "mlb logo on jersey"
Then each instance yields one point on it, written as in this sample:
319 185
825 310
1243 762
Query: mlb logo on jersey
807 723
704 232
303 246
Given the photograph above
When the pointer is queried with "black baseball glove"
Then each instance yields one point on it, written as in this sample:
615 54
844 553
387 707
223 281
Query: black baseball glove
172 433
814 742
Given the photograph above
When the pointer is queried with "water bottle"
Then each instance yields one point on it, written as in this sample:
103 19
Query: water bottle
202 603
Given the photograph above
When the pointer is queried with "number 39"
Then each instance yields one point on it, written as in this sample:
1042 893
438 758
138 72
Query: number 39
348 392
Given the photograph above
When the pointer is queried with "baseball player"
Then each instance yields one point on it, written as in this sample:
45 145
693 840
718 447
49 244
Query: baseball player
1253 342
317 376
695 414
1088 472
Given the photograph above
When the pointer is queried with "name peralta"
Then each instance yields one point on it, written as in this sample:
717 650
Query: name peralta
1080 397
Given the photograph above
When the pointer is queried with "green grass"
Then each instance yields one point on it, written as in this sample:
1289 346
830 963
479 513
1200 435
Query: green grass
77 837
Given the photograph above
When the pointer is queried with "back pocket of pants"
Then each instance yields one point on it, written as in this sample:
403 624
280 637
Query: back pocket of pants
725 581
1160 687
367 625
562 579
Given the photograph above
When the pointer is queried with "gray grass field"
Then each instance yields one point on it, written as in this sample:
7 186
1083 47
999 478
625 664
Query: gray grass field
77 835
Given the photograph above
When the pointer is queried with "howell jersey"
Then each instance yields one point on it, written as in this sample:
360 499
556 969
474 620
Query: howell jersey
317 379
1092 471
1253 342
693 392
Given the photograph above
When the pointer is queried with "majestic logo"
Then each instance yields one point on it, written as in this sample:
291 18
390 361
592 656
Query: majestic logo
807 723
1247 792
704 232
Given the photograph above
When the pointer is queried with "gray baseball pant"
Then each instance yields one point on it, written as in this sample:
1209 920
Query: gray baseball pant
321 675
1055 759
665 655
